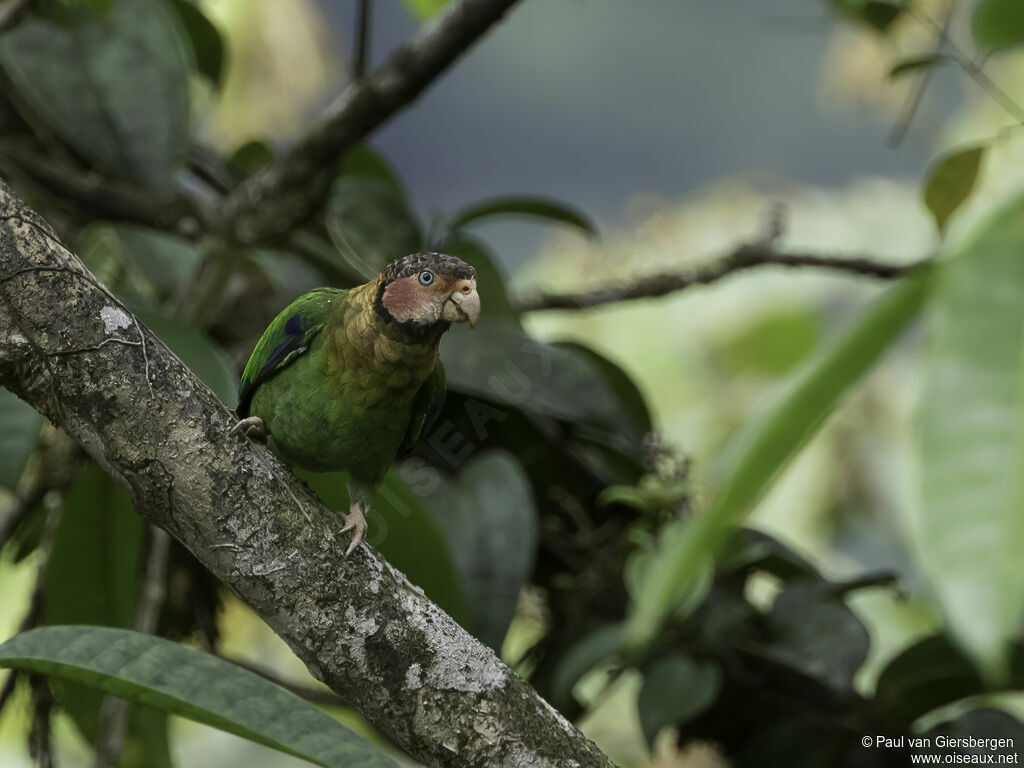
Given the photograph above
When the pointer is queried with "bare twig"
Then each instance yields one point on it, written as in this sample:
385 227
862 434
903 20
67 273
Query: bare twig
743 258
362 40
913 103
273 201
113 719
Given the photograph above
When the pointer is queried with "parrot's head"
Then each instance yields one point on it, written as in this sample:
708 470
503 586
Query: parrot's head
426 290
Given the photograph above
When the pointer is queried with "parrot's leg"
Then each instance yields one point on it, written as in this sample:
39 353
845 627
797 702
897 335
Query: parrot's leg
253 427
355 521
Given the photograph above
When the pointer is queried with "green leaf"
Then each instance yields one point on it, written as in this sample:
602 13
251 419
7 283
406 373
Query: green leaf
812 630
950 182
370 223
21 424
204 38
997 24
917 64
138 263
676 688
206 360
773 344
531 207
113 87
968 529
191 684
487 516
404 531
251 157
685 547
93 578
879 15
595 647
424 9
929 674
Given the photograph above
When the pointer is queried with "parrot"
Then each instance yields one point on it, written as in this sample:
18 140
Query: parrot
348 379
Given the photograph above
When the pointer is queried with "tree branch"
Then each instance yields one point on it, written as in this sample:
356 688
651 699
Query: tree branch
357 623
743 258
270 203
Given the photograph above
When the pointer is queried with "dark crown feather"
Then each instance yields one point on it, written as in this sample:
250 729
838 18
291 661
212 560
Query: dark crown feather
439 263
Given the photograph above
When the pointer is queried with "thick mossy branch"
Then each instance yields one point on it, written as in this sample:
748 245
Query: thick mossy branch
357 623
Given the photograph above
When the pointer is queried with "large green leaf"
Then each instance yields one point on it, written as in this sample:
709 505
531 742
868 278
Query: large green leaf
19 430
523 206
676 688
968 530
93 578
487 516
191 684
113 86
998 24
404 532
197 351
204 37
685 547
950 182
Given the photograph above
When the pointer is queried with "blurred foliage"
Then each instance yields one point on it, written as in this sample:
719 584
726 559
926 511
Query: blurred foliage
541 480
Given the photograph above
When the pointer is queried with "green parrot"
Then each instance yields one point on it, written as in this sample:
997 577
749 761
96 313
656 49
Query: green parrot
348 379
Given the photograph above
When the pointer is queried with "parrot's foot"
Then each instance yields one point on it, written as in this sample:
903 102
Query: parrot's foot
355 521
253 427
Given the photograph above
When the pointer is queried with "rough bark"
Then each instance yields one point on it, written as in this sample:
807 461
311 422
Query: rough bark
76 354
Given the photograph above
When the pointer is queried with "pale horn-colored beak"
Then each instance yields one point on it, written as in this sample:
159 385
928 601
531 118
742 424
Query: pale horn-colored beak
463 305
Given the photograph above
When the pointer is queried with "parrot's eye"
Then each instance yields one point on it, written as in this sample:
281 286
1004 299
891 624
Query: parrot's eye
426 277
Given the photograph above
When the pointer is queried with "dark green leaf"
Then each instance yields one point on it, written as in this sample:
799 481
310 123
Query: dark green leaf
812 630
676 688
206 360
114 87
205 39
685 547
997 24
983 723
138 263
968 530
876 14
404 531
370 223
917 64
93 578
596 647
486 513
753 550
929 674
19 429
191 684
531 207
950 182
251 157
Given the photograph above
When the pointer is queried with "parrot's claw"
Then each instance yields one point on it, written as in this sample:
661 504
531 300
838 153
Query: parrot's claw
253 427
355 521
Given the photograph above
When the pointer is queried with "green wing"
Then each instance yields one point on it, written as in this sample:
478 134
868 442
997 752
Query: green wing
287 337
425 407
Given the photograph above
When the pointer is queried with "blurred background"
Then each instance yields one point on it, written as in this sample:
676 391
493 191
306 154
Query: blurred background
675 130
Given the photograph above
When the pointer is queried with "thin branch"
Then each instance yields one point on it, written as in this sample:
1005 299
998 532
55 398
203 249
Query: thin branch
743 258
362 40
271 202
113 718
913 103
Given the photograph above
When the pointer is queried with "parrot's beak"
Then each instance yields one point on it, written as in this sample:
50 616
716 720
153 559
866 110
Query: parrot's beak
463 305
